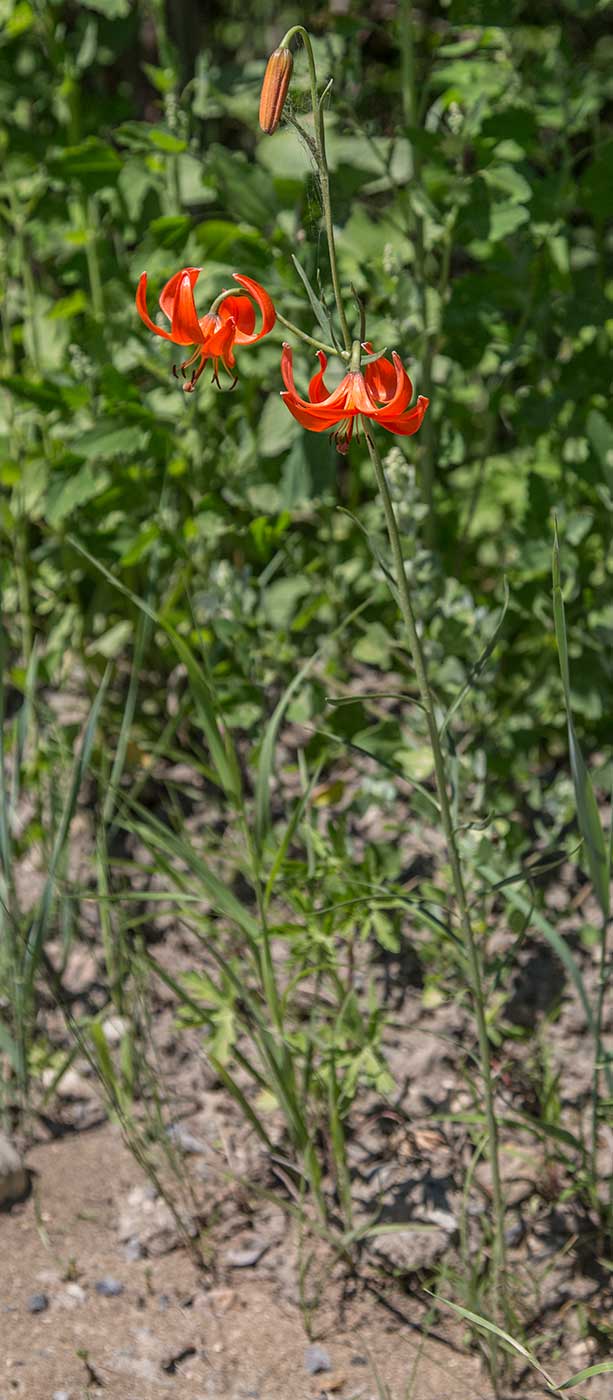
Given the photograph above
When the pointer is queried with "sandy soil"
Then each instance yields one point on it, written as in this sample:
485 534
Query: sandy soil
173 1331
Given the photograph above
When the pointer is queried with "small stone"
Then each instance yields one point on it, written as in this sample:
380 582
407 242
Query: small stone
72 1295
185 1141
316 1359
146 1217
72 1085
246 1258
38 1302
109 1287
14 1181
114 1029
61 1395
334 1382
358 1361
515 1233
133 1250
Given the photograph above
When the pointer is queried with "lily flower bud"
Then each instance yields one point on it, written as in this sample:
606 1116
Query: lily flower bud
274 89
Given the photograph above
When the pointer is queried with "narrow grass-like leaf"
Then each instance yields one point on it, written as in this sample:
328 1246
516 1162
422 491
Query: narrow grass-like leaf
5 836
9 1046
24 720
40 923
599 1369
559 945
221 749
243 1103
339 1152
289 833
317 306
266 760
487 1326
155 835
479 665
590 825
267 752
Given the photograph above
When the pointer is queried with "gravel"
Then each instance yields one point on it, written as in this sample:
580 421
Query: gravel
109 1287
316 1359
38 1302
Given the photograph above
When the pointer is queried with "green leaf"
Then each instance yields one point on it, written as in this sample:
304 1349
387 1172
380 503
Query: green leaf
170 229
277 430
44 393
111 9
64 497
598 1369
93 161
317 306
487 1326
112 642
110 440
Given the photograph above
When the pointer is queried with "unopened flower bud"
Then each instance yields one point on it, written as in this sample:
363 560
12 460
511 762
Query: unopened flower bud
274 89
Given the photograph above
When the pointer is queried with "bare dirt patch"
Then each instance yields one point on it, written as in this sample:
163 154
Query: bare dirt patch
165 1329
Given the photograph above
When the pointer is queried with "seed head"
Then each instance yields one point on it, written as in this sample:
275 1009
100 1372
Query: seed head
274 89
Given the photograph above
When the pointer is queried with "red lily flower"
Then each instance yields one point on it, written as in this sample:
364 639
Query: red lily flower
231 321
382 392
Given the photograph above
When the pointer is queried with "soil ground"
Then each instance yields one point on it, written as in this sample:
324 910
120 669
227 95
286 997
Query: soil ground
173 1332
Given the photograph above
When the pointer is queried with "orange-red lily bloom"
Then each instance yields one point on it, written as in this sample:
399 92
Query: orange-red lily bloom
382 391
230 323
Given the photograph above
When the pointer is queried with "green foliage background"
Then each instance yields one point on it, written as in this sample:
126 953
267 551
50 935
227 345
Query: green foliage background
471 166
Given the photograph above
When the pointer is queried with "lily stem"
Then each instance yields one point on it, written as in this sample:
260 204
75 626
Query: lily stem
471 949
319 344
324 177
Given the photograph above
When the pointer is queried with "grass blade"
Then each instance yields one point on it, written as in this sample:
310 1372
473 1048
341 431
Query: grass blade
40 923
598 1369
590 825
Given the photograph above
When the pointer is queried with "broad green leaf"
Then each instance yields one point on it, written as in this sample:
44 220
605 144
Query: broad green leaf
66 496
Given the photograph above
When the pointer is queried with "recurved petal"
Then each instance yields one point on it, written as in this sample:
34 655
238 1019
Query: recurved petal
169 292
334 402
317 419
400 398
265 305
380 379
185 327
407 423
240 310
141 307
317 388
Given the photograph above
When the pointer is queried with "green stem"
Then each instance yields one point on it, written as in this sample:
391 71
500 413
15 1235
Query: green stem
21 519
310 339
322 166
415 221
91 254
599 1049
471 948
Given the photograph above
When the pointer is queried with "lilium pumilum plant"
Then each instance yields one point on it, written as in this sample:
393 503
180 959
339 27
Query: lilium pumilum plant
230 321
381 392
